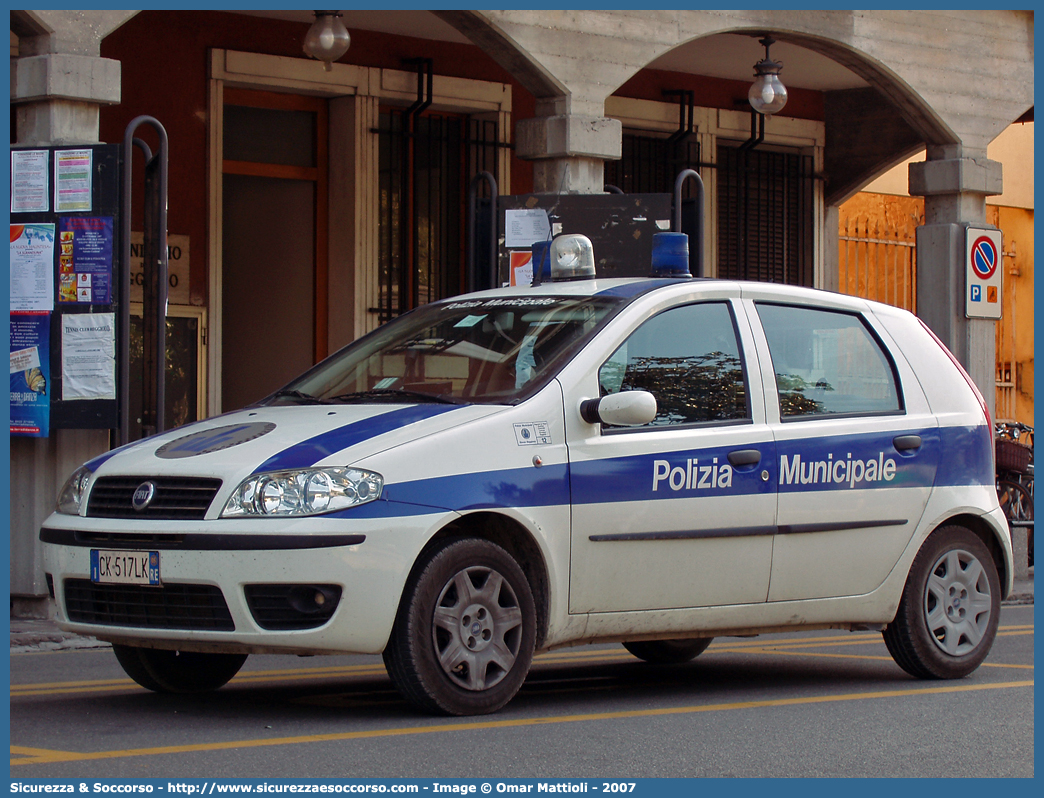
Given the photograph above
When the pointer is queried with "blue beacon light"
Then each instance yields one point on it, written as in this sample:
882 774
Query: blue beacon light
541 262
670 255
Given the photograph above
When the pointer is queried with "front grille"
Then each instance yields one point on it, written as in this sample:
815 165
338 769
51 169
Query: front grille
176 498
288 607
175 606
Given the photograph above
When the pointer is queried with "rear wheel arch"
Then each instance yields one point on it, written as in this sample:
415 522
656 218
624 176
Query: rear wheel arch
949 610
988 535
517 541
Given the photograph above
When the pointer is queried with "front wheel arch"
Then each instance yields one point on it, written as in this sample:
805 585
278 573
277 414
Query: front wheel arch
464 635
517 541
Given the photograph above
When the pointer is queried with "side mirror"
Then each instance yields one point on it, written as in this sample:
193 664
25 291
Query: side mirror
626 409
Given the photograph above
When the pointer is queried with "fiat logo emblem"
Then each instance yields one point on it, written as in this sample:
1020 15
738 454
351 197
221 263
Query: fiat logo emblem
143 495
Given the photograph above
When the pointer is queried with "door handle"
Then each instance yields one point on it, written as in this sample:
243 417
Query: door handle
905 443
742 457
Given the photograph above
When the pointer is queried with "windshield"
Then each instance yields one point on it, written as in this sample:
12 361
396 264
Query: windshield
497 350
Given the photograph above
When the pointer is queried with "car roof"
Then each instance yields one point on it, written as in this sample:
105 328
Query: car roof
632 287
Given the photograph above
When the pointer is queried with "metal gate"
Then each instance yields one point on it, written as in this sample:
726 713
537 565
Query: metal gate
877 259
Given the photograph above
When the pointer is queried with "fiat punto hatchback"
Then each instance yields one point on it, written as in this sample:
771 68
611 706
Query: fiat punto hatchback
650 461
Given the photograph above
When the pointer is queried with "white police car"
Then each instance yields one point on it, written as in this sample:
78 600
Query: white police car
652 461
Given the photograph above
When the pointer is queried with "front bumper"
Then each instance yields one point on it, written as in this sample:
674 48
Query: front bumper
208 566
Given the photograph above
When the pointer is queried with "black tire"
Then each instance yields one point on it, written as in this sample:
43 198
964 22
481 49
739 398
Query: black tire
950 607
668 652
164 671
463 639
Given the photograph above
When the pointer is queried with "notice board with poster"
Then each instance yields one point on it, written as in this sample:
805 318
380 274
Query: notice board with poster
620 226
65 216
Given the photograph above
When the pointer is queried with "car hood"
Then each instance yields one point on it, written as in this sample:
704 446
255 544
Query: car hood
255 440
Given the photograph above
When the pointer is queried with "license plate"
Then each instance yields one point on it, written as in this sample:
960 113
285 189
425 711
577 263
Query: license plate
125 567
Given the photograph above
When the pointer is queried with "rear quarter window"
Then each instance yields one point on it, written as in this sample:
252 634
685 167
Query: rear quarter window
827 363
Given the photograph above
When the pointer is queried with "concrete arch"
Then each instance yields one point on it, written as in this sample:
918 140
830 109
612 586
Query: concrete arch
488 36
959 77
868 130
911 106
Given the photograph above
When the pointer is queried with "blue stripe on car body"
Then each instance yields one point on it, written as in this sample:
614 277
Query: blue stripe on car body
949 456
669 475
511 487
97 462
309 452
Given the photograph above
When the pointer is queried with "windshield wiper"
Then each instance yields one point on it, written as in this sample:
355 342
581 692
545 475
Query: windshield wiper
300 396
393 394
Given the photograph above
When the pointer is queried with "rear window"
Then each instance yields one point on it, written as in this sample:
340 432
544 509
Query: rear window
827 363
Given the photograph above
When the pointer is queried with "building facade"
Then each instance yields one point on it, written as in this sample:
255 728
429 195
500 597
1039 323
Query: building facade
308 206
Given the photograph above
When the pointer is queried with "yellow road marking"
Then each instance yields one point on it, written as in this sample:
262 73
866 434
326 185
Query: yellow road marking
31 756
42 756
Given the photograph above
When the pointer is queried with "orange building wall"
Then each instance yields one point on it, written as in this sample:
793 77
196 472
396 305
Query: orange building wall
877 260
1015 332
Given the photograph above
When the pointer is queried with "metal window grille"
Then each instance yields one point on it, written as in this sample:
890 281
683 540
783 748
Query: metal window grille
649 164
424 177
765 216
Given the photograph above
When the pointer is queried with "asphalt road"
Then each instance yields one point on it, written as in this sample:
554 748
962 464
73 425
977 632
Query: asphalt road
803 705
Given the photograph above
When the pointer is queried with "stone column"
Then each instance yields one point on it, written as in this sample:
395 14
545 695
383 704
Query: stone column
954 185
58 83
569 150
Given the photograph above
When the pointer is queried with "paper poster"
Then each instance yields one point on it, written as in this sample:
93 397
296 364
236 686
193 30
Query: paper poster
73 180
29 181
30 374
522 268
523 227
85 260
88 356
32 267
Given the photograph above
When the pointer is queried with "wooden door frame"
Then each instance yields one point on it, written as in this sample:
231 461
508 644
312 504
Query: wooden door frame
317 175
353 93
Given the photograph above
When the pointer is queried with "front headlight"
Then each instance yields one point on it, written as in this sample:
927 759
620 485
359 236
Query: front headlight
73 492
308 491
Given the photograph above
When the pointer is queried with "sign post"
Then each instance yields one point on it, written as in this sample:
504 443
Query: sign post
985 273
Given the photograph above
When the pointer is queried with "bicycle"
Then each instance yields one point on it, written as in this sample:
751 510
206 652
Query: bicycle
1015 476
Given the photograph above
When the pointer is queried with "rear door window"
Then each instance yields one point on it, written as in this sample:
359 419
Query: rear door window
827 363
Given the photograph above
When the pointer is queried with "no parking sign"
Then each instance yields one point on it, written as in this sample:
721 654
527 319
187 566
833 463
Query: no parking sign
985 272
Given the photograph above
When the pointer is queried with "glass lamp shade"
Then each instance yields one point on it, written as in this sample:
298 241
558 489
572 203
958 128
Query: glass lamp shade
767 95
327 39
